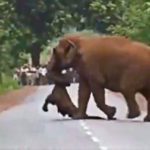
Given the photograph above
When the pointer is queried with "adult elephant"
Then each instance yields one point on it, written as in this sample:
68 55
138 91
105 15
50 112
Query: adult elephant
111 62
84 89
59 95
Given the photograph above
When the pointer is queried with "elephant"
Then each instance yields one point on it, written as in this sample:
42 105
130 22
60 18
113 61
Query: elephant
112 62
60 96
62 100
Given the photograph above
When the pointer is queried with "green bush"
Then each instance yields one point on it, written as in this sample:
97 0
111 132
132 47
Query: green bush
8 84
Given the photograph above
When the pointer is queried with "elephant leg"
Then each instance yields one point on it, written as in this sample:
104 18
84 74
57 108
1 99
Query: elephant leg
45 105
147 118
83 99
99 96
49 99
133 107
147 96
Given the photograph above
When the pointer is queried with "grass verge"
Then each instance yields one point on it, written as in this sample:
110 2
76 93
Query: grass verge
8 84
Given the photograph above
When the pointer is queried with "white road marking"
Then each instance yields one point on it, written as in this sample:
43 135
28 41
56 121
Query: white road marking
85 127
103 148
95 139
90 134
82 123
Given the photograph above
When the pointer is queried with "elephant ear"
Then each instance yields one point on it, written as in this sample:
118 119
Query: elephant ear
71 52
67 51
67 44
53 62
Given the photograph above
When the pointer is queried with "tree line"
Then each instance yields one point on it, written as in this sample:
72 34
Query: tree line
27 26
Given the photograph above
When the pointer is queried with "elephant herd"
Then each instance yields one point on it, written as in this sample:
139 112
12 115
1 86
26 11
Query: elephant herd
112 62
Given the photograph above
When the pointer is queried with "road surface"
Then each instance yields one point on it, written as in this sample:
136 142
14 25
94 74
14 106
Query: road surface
27 127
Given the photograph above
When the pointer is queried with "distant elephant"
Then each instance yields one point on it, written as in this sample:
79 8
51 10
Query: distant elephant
111 62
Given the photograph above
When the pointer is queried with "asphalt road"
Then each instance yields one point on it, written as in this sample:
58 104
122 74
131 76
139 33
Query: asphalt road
27 127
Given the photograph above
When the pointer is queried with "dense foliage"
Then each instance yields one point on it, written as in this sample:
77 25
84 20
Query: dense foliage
27 26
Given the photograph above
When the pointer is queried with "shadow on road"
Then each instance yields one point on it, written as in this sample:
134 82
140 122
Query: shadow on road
69 119
98 119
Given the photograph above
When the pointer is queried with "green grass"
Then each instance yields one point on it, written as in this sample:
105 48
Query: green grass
8 84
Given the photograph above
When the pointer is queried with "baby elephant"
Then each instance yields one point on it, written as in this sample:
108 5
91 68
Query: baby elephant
62 100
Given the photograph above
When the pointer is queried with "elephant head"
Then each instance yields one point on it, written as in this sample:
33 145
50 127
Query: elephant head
65 53
62 58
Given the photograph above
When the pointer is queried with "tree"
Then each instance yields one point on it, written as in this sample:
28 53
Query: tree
135 21
44 19
27 26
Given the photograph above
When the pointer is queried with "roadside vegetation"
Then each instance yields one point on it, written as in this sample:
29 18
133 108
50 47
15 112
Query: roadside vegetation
8 84
31 28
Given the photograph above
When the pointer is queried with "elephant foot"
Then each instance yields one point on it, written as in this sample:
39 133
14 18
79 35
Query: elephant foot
133 114
111 112
113 118
79 115
94 117
147 118
61 111
45 108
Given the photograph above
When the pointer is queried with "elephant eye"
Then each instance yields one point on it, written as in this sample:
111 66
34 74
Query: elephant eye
54 50
67 49
55 53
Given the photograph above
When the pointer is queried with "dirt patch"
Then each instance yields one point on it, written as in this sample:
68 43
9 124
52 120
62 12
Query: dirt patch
15 97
